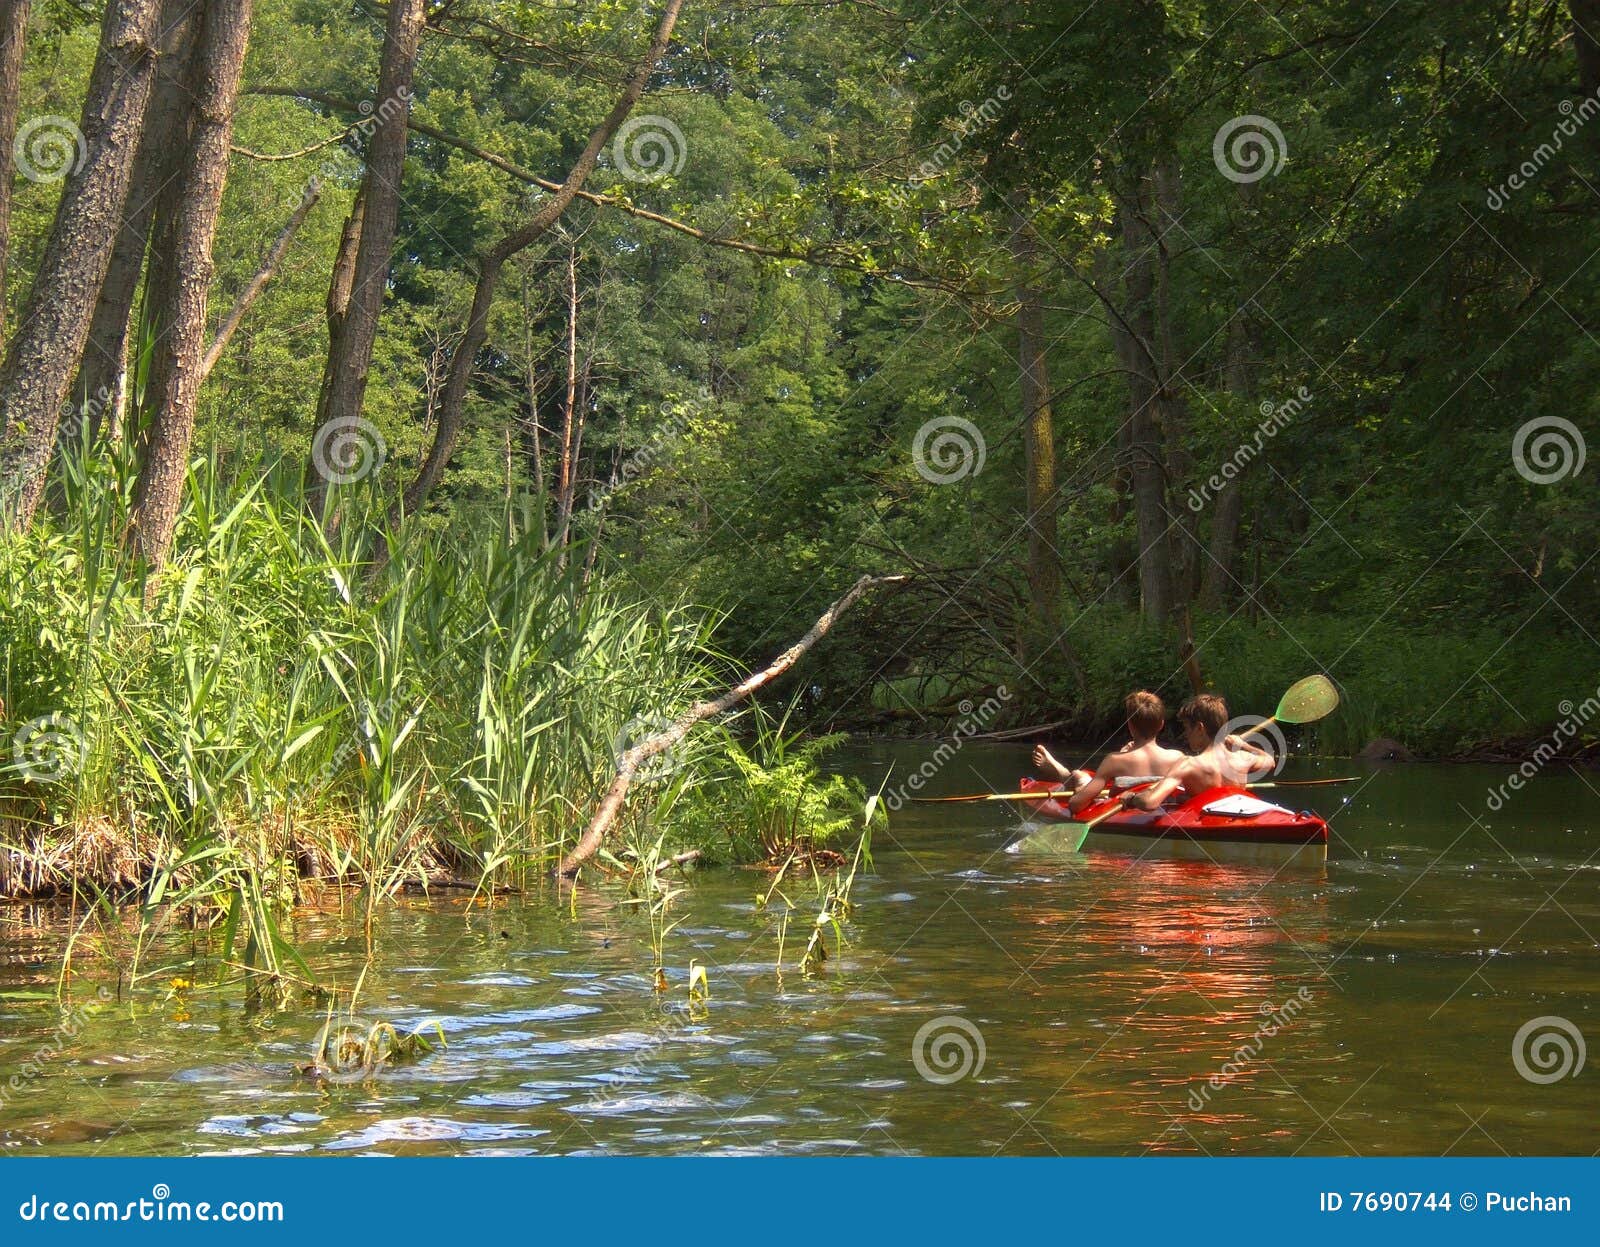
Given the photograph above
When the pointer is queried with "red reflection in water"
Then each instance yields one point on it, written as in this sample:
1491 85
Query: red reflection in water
1177 968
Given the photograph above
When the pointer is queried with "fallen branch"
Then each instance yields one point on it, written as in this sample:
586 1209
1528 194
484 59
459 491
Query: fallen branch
629 763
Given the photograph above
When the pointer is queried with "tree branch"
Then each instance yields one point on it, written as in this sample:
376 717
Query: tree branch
629 763
258 283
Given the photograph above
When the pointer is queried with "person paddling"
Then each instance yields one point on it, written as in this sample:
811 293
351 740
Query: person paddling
1218 761
1141 758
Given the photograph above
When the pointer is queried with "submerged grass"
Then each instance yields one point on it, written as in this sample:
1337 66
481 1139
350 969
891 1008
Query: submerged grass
269 715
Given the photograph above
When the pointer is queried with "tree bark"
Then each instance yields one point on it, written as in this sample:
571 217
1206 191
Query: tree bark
336 307
344 384
1140 442
55 321
263 275
632 759
1040 498
569 419
100 387
1172 406
13 39
1219 584
214 84
453 408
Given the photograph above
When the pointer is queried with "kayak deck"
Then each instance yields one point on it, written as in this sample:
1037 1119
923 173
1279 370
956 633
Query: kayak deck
1273 835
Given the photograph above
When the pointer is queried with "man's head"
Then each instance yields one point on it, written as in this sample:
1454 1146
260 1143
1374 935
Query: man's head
1147 714
1202 717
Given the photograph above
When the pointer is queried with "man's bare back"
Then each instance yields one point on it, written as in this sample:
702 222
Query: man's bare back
1132 761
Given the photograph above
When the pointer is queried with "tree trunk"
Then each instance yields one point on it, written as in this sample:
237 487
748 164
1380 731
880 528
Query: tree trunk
452 410
569 420
1040 497
100 387
13 38
55 321
263 275
218 66
344 384
336 306
1218 586
1140 441
1172 405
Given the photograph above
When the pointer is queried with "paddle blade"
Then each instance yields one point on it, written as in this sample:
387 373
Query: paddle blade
1308 700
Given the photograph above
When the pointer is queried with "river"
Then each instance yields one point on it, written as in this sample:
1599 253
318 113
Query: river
982 1002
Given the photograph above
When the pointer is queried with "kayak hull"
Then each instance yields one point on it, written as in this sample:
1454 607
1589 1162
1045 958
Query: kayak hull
1274 837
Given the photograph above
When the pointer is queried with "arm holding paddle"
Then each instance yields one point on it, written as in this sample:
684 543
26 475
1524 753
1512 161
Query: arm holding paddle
1151 798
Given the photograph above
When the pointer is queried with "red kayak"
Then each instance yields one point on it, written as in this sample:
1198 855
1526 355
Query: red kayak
1223 824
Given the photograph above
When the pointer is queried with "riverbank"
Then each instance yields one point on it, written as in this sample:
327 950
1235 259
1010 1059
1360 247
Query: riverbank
1441 694
272 710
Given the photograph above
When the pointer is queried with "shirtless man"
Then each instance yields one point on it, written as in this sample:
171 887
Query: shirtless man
1140 758
1216 762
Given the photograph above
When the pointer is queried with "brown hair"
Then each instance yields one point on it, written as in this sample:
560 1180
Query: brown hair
1146 712
1206 709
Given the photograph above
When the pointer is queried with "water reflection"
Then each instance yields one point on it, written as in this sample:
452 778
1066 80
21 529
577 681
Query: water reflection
1122 1006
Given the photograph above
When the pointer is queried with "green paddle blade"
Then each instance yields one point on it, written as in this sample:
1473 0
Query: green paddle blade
1308 700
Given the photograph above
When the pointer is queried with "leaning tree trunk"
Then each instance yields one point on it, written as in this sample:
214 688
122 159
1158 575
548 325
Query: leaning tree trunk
344 384
13 36
452 408
100 386
1040 497
55 321
218 65
637 755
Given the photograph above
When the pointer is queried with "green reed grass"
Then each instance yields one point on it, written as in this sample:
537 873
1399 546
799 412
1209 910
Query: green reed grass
270 713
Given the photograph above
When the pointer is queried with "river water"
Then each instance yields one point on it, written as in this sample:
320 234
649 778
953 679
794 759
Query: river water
982 1002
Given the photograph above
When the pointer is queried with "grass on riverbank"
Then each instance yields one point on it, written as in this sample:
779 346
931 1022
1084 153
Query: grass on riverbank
265 716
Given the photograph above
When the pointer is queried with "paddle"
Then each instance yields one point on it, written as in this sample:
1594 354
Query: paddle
1037 794
1306 701
1047 794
